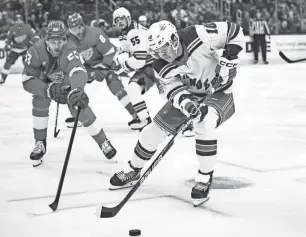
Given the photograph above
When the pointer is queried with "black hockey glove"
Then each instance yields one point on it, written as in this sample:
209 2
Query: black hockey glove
78 98
58 92
100 75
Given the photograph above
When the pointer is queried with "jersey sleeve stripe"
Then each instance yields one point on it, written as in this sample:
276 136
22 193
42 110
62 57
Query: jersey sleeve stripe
166 69
175 91
232 31
149 60
141 55
195 47
195 41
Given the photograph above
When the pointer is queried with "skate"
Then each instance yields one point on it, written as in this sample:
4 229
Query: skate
137 124
189 132
126 178
70 121
200 192
108 150
2 80
38 153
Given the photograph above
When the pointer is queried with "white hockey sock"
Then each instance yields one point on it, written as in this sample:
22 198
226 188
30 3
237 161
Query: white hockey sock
150 138
134 92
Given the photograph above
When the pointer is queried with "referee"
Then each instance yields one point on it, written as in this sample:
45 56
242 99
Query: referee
259 29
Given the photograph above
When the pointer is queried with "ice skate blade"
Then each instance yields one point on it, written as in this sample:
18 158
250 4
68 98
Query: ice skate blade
188 134
139 126
128 185
70 125
37 163
199 202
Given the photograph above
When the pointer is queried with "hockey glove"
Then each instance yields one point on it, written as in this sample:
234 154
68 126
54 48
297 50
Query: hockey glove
123 69
226 71
193 109
100 75
58 92
78 98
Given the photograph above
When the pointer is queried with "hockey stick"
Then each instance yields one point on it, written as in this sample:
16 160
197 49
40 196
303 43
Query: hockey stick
54 204
107 212
283 56
56 132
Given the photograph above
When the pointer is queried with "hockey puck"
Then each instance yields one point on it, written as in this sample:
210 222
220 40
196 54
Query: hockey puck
135 232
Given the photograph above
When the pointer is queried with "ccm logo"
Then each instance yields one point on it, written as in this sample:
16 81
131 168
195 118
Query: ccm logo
222 63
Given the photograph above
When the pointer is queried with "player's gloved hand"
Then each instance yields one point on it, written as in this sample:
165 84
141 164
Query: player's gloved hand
191 108
100 75
226 71
122 69
78 98
58 92
7 47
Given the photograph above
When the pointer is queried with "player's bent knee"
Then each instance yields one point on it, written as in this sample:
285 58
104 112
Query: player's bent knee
205 130
116 87
152 135
86 117
134 88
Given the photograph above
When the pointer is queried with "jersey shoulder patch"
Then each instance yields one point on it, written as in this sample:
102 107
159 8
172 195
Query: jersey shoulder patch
162 67
190 38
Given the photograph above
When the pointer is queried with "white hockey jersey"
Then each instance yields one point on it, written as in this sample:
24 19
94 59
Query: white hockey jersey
135 43
194 70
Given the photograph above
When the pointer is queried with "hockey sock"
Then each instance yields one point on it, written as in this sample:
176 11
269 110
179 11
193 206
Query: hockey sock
134 91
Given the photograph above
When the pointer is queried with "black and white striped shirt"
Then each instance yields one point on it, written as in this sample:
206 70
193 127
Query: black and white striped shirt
260 27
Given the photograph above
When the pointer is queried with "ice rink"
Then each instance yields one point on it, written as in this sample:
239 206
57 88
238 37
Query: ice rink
262 146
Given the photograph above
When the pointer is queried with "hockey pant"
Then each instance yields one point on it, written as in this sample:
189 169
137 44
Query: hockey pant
40 113
220 108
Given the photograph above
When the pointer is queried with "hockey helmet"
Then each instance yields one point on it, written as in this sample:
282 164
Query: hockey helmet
74 20
122 12
161 33
56 30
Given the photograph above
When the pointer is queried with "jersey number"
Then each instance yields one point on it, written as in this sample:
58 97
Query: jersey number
211 28
103 40
73 55
28 58
135 40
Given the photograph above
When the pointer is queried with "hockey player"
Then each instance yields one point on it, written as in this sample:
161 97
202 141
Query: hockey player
134 41
190 71
54 71
19 38
98 53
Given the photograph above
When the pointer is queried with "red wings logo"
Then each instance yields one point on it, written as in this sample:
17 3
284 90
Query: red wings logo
56 76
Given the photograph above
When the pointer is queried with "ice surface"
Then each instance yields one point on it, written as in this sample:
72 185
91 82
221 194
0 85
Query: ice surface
264 143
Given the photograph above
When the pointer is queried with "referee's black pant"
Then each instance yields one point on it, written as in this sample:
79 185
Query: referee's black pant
260 40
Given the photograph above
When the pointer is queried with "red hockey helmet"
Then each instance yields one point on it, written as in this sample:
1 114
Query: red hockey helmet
56 30
75 20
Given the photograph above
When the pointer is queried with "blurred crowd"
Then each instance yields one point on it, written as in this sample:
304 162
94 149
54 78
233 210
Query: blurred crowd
286 18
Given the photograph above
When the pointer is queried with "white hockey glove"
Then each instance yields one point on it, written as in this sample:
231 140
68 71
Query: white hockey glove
123 69
226 71
191 108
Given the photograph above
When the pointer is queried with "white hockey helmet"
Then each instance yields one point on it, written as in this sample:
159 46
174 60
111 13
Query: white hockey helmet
122 12
161 33
142 18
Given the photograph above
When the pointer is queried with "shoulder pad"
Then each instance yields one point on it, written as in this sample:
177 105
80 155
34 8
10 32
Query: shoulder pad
188 35
162 67
190 38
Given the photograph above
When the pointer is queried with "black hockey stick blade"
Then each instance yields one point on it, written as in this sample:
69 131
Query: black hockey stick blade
283 56
54 205
107 212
